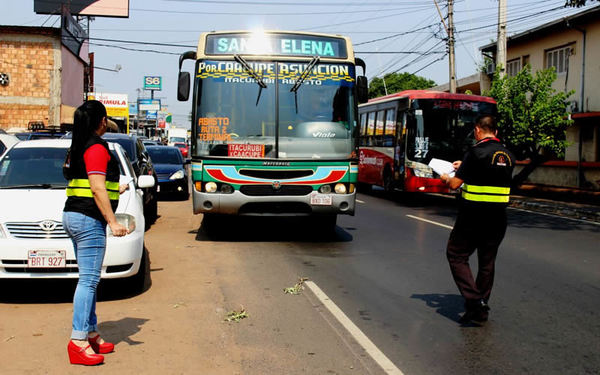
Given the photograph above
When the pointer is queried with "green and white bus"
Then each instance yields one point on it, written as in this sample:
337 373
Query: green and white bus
274 129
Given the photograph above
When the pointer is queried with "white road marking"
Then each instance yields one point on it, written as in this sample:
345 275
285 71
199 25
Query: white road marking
377 355
430 221
359 201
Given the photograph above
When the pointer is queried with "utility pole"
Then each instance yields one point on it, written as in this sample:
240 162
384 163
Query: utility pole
451 64
501 46
450 33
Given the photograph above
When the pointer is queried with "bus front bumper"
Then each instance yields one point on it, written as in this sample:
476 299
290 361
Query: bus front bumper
305 205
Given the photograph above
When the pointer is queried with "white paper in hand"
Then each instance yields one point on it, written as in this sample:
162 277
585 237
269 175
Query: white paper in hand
442 166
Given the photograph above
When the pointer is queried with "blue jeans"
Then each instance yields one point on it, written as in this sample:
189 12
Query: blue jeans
89 242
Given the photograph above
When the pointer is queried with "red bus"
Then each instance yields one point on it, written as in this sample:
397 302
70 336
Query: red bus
400 134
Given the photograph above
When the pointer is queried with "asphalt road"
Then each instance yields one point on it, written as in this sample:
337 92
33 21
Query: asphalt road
385 270
393 280
388 272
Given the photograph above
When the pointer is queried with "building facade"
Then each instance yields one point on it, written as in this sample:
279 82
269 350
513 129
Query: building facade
572 46
44 79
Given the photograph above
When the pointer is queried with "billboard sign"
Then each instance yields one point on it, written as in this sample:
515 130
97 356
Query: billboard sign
96 8
72 34
148 105
116 104
153 83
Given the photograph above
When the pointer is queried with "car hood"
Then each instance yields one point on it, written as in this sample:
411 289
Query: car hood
31 205
167 168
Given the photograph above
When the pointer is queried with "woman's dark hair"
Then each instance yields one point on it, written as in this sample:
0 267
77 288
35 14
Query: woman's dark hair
86 121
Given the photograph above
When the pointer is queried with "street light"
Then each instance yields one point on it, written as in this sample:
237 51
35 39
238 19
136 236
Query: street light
116 69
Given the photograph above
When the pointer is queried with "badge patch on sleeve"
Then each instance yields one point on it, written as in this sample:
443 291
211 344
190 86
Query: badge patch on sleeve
501 159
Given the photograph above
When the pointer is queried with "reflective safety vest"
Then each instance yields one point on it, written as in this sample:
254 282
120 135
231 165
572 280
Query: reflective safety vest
79 194
492 194
80 187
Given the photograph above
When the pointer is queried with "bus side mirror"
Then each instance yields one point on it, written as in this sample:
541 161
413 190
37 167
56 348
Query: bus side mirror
183 86
362 89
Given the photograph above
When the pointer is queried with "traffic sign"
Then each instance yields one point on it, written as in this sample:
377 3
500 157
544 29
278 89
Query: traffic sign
153 83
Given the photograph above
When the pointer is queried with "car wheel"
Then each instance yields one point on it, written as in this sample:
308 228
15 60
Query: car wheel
140 282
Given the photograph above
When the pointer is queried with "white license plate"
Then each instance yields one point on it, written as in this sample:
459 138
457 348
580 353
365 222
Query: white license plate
47 259
320 200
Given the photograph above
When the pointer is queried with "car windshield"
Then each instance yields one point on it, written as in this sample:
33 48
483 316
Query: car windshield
165 155
30 167
177 139
236 117
127 143
39 167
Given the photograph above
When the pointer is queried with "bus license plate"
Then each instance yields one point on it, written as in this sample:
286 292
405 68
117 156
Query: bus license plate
47 259
320 200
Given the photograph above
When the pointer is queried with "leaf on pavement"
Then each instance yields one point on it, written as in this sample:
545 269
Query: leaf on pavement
296 289
236 316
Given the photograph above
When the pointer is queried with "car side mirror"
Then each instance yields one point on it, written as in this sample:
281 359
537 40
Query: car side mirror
145 181
362 89
183 86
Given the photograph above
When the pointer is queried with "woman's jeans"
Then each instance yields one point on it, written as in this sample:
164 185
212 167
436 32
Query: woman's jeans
89 242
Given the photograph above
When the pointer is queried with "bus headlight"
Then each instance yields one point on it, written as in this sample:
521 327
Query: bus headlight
422 170
340 189
226 189
210 187
177 175
325 189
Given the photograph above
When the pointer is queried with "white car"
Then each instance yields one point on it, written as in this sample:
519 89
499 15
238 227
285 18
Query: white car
33 242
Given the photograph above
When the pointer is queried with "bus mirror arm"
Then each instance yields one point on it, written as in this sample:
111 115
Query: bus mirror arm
360 62
189 55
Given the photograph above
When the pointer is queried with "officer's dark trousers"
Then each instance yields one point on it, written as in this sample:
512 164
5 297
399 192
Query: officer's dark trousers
481 230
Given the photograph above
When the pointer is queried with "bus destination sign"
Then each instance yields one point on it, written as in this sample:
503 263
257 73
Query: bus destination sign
276 44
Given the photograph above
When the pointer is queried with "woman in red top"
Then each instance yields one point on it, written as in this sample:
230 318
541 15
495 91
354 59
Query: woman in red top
92 197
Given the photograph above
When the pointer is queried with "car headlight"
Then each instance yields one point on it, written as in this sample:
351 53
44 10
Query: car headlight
177 175
126 220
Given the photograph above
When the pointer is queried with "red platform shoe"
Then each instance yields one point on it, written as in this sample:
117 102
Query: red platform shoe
105 347
78 356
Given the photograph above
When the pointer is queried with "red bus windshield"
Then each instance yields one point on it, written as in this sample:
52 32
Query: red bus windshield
442 129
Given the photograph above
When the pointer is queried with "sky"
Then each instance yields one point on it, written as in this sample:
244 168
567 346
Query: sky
390 35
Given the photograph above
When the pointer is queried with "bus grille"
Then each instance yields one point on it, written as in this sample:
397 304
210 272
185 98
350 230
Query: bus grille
276 174
267 190
34 230
275 208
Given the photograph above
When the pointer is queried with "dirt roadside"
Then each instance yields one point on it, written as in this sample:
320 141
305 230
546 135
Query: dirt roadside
177 326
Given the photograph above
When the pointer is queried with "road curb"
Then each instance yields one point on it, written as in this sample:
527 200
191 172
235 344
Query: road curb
565 209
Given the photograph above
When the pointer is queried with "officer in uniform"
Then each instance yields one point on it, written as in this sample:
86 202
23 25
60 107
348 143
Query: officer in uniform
485 175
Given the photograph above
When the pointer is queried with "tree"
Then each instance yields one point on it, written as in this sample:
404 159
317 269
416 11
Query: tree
576 3
532 117
396 82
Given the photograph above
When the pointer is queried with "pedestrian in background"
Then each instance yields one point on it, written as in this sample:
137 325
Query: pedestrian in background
92 196
485 174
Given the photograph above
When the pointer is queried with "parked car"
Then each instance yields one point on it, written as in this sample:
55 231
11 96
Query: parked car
26 136
33 241
149 142
171 171
183 147
6 141
142 165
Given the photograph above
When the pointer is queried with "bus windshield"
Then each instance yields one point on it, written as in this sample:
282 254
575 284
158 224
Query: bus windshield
237 118
443 129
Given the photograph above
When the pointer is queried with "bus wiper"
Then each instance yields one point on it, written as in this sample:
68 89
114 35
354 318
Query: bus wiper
302 78
252 73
